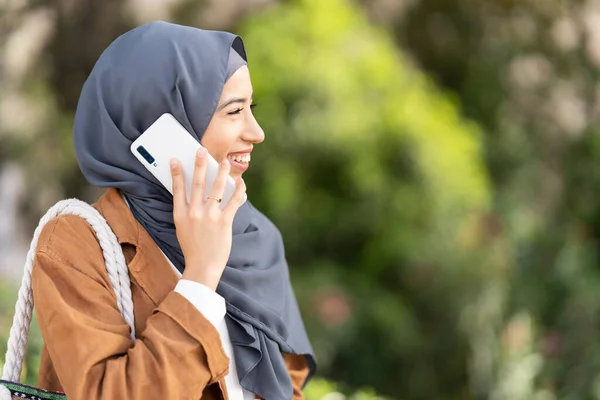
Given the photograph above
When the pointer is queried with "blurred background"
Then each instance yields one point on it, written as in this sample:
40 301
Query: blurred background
432 165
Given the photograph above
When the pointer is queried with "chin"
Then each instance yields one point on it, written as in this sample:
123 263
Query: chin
235 175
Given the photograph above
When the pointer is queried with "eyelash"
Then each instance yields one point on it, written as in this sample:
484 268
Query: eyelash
239 110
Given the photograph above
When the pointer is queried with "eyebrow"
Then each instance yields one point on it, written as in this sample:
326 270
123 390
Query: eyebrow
234 100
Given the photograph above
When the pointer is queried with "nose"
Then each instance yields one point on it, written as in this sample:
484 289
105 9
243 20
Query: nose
253 132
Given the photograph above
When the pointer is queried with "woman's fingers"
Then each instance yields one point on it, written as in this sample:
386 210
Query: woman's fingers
199 179
236 200
179 199
218 187
199 187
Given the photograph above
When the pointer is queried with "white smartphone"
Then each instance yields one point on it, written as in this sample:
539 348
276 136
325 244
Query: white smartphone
165 139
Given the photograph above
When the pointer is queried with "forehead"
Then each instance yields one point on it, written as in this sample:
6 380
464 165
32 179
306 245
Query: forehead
238 85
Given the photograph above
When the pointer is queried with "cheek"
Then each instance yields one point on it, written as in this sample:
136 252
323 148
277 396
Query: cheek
218 142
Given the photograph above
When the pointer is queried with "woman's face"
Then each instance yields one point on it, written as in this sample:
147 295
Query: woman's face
233 130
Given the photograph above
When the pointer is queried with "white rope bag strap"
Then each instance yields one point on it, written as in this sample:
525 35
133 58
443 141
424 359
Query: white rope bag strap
115 266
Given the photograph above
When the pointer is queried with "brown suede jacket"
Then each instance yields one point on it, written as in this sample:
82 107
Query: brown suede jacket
88 353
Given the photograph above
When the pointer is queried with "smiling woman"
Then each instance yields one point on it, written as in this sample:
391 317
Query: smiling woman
215 313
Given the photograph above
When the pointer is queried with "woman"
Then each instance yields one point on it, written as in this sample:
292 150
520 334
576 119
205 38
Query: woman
215 315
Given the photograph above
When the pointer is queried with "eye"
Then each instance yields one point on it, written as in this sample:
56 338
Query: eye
235 112
239 110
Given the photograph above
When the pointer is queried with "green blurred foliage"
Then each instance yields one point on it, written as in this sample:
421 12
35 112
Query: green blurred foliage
29 375
375 181
321 389
432 171
527 72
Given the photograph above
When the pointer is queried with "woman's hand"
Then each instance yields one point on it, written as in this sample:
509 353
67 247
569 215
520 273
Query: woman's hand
203 229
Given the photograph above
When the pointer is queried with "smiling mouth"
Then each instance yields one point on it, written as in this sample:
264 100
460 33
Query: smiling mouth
240 158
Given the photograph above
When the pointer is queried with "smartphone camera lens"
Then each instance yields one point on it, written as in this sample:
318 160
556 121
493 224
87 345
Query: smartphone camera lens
144 153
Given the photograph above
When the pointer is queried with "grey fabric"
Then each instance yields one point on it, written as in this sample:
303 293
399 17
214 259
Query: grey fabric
234 62
161 67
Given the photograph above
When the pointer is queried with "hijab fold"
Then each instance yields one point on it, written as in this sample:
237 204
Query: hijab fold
162 67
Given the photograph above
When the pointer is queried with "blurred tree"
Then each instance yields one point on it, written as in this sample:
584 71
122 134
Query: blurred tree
527 71
377 185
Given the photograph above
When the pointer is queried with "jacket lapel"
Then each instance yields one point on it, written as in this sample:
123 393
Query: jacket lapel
149 268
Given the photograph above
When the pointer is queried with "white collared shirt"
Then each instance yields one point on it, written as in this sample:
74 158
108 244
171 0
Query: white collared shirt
212 306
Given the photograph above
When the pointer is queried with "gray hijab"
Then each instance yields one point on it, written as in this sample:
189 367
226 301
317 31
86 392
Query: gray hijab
162 67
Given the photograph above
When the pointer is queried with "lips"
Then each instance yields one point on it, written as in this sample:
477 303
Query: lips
240 160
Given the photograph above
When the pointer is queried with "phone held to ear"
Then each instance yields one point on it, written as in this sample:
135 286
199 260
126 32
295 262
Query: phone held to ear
166 139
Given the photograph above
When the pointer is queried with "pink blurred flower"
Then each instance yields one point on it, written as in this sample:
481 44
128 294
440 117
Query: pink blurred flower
332 306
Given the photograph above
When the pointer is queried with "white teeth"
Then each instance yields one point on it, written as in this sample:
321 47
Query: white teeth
244 158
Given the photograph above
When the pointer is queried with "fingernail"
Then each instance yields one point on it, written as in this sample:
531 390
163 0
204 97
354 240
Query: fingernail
201 152
225 161
173 163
